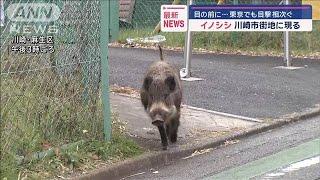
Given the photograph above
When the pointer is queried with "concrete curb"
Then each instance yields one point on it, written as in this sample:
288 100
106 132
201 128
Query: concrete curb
156 159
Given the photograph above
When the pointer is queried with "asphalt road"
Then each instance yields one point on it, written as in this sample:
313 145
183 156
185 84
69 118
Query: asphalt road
241 85
288 152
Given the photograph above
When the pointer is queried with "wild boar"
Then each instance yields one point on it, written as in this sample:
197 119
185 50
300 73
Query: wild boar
161 96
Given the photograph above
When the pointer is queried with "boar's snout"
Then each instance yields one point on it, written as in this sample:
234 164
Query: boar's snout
157 120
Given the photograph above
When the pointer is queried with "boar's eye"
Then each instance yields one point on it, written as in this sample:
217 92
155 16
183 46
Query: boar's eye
152 97
171 83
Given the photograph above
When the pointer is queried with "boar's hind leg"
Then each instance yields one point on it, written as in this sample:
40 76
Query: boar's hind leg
163 136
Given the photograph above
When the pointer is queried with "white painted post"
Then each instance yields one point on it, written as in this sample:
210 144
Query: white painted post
287 54
187 49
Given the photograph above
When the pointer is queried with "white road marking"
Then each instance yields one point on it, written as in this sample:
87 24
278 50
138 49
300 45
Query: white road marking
225 114
293 167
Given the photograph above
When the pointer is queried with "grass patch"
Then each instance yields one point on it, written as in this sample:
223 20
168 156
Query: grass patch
45 107
303 43
82 158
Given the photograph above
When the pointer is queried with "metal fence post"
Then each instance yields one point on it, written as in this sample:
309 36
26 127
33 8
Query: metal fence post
287 55
188 47
113 20
234 35
104 39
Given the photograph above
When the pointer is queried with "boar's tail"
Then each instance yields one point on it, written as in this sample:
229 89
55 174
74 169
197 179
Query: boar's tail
161 54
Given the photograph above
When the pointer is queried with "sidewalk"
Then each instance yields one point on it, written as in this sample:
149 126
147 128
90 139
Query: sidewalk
200 131
196 124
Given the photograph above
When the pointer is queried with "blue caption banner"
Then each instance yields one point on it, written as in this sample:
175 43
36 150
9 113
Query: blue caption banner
250 12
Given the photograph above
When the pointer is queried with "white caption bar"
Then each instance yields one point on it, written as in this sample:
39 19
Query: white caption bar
250 25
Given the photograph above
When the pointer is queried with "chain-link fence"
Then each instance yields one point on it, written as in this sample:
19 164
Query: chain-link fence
140 18
50 76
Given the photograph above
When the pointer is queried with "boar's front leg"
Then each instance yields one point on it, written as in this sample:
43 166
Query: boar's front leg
144 99
164 140
174 130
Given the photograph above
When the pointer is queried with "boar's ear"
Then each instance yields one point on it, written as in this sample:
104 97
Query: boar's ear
146 83
171 82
